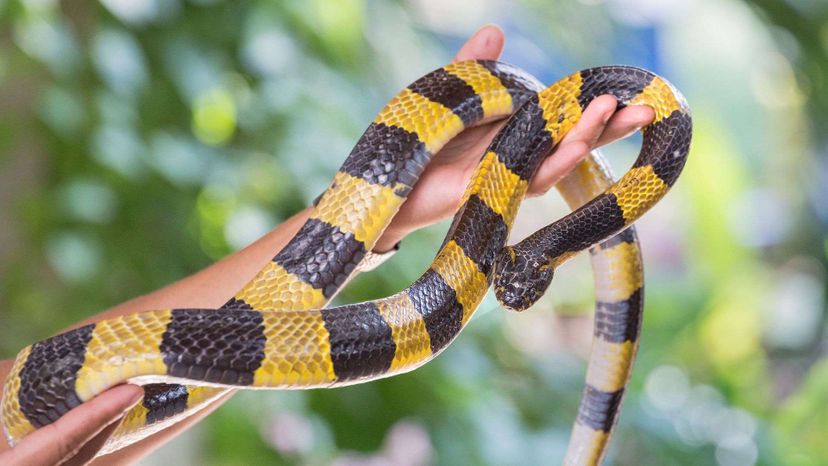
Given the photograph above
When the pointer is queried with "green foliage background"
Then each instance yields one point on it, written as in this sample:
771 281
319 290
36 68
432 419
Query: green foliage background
142 140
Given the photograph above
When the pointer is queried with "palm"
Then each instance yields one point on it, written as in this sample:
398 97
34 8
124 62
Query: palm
437 193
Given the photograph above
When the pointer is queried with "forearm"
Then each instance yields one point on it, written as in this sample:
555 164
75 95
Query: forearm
214 285
209 288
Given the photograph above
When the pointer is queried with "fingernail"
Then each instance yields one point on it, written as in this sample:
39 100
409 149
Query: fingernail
486 35
607 117
137 396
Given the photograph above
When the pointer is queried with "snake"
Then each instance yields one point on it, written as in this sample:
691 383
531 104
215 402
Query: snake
276 333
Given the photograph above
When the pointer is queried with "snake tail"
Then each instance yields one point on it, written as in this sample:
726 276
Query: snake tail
619 284
525 270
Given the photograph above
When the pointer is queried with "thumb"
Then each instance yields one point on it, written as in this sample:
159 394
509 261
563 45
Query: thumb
60 440
485 44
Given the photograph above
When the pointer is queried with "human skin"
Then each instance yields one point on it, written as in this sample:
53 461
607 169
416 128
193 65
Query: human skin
77 436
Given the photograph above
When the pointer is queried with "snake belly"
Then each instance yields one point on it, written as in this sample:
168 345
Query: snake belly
275 343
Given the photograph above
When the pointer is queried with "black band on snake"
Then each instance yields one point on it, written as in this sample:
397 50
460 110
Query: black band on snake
274 333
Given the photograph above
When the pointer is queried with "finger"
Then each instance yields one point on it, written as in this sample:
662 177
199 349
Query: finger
592 121
132 453
557 165
485 44
54 442
575 145
87 452
624 122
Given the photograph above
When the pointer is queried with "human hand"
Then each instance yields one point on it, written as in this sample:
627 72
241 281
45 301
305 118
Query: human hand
75 438
437 193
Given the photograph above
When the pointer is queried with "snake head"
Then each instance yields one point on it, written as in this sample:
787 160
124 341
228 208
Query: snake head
521 279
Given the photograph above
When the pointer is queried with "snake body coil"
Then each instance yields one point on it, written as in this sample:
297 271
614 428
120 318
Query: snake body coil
272 334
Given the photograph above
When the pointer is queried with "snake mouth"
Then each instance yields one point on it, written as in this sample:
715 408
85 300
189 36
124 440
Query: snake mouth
516 297
520 281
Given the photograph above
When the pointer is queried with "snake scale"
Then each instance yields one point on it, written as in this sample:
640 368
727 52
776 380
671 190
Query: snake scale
275 333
